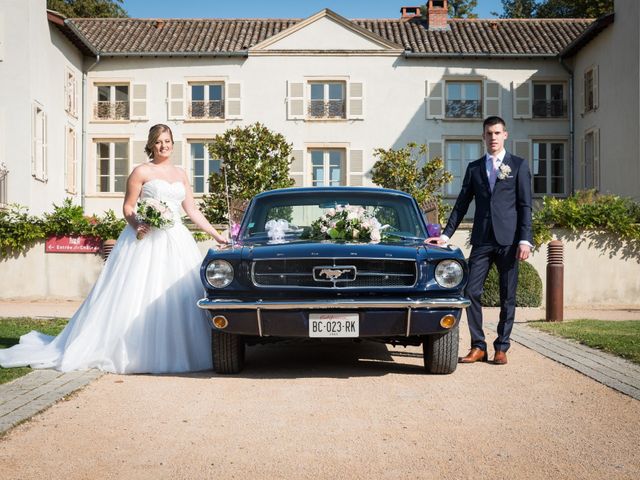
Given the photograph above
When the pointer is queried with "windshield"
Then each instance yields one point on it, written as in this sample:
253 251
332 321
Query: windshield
295 214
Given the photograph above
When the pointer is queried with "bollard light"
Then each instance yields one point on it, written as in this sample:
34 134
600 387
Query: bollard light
555 282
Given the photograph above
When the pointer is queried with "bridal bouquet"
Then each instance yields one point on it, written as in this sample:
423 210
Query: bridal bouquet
154 213
347 223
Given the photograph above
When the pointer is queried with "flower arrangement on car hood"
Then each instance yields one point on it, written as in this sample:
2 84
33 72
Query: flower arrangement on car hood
347 223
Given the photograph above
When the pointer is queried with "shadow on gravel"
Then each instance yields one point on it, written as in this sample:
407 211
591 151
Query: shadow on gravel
325 360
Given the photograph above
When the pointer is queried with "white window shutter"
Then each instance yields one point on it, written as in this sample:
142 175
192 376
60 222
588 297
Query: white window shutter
522 149
233 110
34 140
355 101
139 101
295 101
297 161
522 104
434 99
492 99
175 101
356 168
596 158
176 156
595 88
434 149
44 148
138 155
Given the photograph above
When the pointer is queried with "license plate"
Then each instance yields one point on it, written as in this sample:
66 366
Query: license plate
333 325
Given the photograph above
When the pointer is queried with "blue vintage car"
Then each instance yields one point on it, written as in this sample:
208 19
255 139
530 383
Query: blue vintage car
334 262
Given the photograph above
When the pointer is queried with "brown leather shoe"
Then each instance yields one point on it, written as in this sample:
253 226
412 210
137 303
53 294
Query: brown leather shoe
474 355
500 358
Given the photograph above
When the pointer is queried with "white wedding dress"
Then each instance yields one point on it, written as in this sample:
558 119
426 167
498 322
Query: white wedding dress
141 314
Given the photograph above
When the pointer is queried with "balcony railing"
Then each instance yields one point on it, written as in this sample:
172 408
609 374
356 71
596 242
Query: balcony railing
209 109
329 109
464 109
111 111
549 108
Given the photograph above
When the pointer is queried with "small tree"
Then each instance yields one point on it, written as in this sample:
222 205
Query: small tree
88 8
401 170
255 159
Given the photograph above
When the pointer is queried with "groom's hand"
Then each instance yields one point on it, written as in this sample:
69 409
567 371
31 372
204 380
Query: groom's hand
523 251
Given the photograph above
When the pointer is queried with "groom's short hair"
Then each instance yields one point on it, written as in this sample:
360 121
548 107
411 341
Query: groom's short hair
493 120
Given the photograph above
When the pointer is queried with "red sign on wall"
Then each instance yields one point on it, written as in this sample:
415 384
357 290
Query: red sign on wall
72 245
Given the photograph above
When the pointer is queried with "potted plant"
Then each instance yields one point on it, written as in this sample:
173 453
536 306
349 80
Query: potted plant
108 228
68 230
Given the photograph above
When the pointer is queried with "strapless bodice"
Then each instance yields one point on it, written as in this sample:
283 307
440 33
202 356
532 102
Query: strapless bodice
171 193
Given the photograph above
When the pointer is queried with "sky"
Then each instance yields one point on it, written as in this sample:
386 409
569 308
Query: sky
280 8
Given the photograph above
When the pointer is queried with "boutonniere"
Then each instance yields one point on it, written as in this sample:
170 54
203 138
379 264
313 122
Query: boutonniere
504 171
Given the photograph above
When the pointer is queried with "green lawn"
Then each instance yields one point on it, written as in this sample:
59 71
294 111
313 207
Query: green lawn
619 338
10 331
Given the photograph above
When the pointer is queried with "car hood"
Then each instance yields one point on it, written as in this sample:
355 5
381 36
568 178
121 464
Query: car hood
407 249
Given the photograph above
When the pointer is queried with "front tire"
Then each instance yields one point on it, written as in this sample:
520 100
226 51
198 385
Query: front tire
440 352
227 351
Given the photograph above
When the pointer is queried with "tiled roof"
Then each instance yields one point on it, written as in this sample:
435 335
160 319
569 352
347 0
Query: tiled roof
499 37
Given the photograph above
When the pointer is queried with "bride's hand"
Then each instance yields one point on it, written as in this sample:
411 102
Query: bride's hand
141 230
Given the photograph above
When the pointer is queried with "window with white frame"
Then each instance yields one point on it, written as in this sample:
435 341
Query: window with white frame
206 100
202 165
549 167
463 99
70 166
112 102
549 100
70 93
458 154
327 100
327 167
112 162
39 143
590 89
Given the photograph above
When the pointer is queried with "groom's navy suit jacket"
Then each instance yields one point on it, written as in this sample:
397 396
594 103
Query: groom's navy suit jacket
506 210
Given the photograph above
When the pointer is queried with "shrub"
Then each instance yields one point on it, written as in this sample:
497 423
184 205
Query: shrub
528 293
67 220
587 210
108 227
18 230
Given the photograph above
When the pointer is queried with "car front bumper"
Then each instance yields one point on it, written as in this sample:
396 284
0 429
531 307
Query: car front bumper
398 317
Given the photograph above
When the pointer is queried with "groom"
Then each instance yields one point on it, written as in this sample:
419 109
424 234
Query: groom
500 183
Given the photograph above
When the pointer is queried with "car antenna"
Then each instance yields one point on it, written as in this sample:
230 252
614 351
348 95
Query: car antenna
223 167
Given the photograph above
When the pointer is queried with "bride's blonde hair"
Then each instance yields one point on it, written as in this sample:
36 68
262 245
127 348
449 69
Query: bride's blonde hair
154 133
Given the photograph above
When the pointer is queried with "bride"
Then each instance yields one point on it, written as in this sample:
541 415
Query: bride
141 314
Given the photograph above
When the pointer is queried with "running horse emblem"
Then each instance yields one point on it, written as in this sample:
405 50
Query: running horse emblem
332 274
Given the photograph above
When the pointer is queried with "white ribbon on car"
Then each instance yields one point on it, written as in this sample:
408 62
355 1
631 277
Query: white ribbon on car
276 230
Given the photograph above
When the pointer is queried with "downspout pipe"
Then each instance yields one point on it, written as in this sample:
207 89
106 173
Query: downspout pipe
572 162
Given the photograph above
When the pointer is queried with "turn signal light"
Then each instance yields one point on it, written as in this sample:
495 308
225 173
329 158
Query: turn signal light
220 321
447 321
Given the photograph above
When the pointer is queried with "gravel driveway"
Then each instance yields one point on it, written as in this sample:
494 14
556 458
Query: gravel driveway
335 411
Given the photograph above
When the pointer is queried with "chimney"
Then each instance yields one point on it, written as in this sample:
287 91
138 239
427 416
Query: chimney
437 14
407 13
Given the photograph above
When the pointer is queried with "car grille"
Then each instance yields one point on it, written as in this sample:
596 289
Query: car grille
334 273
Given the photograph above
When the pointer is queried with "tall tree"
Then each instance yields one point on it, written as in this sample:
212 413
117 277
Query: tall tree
518 8
88 8
574 8
555 8
457 9
462 8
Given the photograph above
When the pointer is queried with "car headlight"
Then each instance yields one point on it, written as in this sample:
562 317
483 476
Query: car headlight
219 273
449 273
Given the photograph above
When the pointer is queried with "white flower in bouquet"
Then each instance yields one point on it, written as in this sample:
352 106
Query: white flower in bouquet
347 222
154 213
